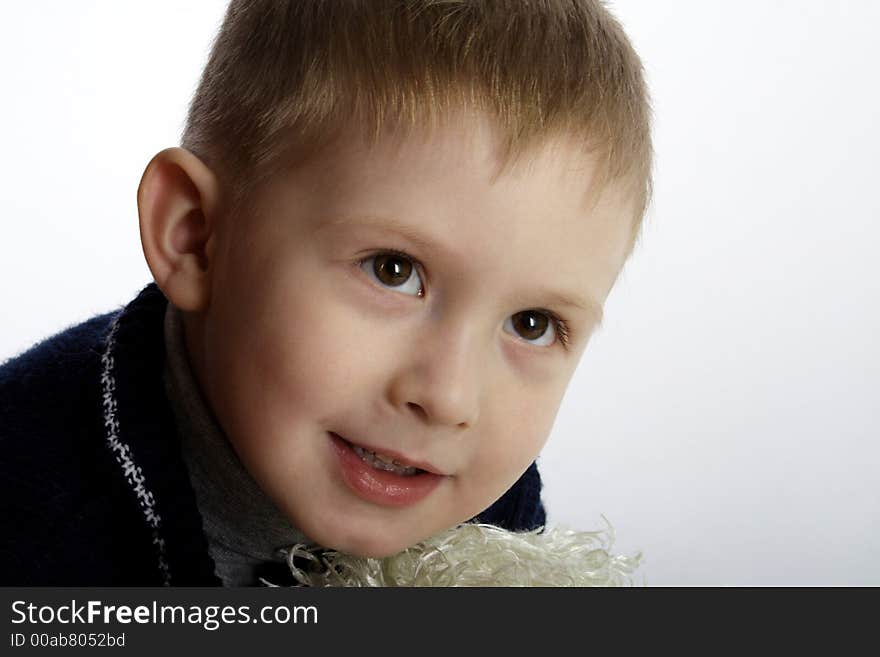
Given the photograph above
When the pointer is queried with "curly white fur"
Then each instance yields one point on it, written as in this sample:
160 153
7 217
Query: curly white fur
477 555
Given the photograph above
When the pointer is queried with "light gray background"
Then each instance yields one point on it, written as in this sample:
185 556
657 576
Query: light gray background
725 419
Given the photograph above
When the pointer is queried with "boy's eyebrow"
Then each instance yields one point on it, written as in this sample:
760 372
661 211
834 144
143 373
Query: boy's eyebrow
593 309
587 305
393 225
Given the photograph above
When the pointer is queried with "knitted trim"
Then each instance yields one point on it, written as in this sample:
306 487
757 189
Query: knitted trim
122 453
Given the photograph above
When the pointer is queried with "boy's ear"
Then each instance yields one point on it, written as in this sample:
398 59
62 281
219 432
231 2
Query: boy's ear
178 199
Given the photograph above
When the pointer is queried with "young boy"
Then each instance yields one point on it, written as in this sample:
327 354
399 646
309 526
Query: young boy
378 257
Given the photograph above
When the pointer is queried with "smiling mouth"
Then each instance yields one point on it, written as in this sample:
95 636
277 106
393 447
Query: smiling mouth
384 478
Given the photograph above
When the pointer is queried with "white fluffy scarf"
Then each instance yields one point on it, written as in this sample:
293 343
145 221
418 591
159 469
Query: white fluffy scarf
477 555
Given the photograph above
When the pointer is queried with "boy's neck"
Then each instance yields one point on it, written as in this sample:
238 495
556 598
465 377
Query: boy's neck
243 526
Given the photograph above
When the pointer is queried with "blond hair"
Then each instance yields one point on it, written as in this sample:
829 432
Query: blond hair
286 76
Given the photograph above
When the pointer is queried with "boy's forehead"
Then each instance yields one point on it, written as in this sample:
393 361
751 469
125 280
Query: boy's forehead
460 136
473 144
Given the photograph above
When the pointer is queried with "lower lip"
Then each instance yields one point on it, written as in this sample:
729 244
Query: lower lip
380 486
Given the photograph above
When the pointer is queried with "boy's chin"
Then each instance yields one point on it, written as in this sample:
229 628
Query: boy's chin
373 547
371 542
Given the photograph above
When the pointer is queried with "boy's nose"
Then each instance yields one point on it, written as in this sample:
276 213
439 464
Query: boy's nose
441 382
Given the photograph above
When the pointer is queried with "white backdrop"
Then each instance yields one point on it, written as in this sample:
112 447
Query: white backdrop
723 419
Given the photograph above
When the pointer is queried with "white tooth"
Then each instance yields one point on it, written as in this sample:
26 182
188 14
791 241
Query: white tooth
382 462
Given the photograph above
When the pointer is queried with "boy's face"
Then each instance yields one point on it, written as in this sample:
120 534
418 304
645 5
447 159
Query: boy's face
397 299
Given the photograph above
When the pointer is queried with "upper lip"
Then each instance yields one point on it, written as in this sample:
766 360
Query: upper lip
397 456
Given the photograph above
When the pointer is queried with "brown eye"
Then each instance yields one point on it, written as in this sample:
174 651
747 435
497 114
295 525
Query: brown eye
394 271
532 326
391 269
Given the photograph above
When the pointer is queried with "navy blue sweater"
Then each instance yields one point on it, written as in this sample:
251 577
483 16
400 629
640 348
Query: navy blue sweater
93 487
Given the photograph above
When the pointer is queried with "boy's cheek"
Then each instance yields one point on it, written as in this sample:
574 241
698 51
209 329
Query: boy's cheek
510 435
320 356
